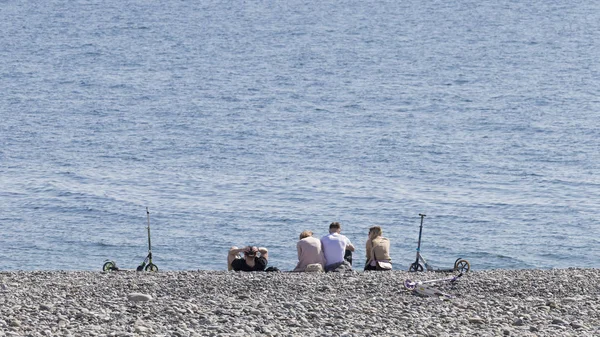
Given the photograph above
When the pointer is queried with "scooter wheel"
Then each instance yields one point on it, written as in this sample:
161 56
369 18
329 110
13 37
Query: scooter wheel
108 266
462 266
410 285
415 267
151 267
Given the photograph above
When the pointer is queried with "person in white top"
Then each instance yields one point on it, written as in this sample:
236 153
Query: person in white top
337 248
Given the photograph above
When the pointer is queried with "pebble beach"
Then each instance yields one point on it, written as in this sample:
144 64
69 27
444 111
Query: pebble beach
556 302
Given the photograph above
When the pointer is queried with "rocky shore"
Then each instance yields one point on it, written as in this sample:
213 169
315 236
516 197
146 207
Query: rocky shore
560 302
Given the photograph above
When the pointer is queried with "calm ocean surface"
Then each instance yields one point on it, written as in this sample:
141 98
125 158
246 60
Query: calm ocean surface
247 122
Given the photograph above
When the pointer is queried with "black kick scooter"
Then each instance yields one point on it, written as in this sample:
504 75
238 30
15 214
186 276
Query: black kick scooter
460 265
146 265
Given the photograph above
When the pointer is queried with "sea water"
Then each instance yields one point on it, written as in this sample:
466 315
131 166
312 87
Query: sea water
246 122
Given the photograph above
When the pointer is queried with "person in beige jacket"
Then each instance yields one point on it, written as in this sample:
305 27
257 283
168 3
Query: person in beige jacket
310 251
377 248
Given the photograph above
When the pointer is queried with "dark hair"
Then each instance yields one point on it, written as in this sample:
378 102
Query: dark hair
335 225
250 253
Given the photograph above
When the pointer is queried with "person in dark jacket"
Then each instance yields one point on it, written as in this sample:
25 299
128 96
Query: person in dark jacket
255 259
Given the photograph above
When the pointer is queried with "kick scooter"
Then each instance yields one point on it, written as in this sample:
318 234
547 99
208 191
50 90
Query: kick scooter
146 265
423 288
421 264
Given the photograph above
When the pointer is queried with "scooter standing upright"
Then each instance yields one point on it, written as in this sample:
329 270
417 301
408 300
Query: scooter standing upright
146 265
460 265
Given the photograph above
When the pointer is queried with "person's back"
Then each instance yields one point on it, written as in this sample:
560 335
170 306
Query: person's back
380 247
309 251
377 249
334 248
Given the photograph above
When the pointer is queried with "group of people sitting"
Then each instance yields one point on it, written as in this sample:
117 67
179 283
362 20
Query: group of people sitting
331 253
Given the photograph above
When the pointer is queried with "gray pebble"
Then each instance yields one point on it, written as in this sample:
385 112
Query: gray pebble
576 325
139 297
476 320
559 321
202 303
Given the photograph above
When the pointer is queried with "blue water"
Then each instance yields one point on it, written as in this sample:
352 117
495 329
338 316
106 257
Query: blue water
247 122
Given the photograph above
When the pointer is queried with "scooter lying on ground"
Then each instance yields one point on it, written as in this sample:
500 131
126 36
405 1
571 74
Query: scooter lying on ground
423 288
421 264
146 265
